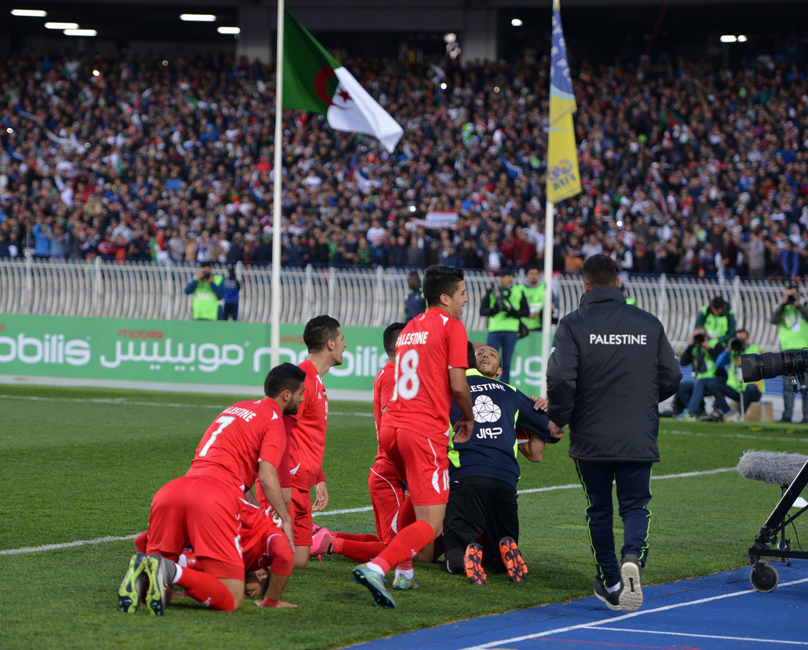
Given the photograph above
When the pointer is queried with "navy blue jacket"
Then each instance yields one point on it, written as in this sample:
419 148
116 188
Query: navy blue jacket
499 409
415 304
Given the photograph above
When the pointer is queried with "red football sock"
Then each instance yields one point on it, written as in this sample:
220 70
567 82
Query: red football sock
406 514
406 544
355 538
406 565
140 541
357 551
206 589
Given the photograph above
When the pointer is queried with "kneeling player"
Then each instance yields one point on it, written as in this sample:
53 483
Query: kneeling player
266 552
202 509
484 471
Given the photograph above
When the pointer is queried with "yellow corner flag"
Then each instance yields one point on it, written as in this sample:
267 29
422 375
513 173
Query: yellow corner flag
563 178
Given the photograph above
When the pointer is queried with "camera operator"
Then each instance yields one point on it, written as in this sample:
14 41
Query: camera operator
792 319
611 366
717 319
207 290
702 354
505 304
730 360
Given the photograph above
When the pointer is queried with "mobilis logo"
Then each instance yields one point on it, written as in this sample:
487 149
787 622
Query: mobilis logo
51 349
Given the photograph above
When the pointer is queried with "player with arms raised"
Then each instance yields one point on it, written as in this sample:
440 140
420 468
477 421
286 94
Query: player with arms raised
202 509
429 369
326 345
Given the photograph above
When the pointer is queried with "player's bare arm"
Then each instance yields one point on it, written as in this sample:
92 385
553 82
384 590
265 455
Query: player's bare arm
271 487
462 396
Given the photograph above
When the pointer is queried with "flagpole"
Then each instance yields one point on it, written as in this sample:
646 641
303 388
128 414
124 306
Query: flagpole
547 312
275 315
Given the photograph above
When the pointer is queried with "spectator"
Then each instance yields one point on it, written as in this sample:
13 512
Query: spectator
414 304
505 304
232 287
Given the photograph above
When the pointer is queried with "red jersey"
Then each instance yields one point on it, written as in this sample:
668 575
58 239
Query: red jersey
382 392
257 528
426 349
308 434
238 439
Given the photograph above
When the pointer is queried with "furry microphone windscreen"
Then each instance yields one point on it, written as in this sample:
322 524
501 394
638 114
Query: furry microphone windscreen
775 467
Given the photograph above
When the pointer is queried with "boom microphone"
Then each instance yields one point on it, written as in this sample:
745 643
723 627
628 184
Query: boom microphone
774 467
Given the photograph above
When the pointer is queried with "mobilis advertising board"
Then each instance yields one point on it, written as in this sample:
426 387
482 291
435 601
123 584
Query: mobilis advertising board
225 356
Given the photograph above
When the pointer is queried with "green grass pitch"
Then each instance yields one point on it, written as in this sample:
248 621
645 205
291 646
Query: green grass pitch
80 464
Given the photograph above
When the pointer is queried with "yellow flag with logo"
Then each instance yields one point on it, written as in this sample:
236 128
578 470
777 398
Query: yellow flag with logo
563 178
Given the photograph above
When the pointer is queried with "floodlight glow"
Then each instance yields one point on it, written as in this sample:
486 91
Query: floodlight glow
742 38
80 32
29 13
61 25
450 37
517 22
229 30
412 208
198 18
443 86
96 73
728 38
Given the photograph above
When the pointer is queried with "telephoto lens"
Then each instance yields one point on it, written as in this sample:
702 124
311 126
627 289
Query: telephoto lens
767 365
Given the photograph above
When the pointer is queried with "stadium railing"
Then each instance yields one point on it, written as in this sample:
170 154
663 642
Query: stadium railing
356 297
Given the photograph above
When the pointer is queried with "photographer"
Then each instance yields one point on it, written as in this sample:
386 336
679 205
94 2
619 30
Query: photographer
611 367
207 290
730 360
792 319
717 319
505 304
702 354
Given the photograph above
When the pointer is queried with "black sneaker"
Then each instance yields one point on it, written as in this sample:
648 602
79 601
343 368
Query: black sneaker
611 600
631 577
784 420
715 416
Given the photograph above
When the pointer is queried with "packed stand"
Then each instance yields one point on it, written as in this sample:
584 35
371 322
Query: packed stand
688 169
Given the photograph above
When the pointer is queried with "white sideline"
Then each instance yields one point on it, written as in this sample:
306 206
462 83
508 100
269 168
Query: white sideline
608 621
347 511
705 636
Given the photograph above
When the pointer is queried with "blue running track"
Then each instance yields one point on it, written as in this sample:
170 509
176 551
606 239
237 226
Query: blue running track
717 611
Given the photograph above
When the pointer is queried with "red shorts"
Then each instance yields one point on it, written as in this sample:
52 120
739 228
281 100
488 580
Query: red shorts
301 516
421 461
204 515
386 495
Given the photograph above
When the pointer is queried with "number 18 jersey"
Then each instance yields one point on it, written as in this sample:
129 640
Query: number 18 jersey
426 349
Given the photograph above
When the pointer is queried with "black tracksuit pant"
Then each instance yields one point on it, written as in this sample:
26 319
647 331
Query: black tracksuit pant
633 495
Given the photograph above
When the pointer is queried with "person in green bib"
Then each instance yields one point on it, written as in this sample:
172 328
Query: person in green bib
730 360
534 293
791 317
702 354
505 304
206 290
717 319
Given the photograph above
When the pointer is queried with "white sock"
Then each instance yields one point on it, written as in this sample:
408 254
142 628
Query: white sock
375 568
177 575
183 560
613 588
409 574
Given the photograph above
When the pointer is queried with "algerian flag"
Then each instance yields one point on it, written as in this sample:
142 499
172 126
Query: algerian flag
314 81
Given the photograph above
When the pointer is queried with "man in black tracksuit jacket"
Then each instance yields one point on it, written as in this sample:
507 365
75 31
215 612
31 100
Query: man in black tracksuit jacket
611 366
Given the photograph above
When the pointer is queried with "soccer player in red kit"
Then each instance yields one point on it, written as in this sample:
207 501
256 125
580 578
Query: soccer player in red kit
429 369
202 509
326 345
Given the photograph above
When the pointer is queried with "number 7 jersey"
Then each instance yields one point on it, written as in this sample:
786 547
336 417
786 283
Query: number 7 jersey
238 439
426 349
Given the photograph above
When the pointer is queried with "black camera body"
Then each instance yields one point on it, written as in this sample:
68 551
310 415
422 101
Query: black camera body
737 345
792 299
206 275
698 339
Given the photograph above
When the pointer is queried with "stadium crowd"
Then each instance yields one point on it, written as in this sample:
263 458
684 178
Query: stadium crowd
688 168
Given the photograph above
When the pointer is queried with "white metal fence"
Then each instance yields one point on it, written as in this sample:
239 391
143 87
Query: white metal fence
355 297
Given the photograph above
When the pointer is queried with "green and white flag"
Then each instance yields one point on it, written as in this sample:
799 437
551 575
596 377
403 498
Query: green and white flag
314 81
